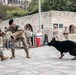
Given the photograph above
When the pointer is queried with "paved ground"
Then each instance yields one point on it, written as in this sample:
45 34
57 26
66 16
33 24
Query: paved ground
43 61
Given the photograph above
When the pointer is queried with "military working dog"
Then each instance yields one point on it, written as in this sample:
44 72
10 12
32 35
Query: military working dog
64 46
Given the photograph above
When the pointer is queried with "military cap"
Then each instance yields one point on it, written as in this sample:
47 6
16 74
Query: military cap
10 21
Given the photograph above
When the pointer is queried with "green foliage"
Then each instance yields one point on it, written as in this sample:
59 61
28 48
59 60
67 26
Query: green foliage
46 5
61 5
11 12
33 7
16 12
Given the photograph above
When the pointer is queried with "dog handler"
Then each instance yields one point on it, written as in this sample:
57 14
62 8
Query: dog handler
18 33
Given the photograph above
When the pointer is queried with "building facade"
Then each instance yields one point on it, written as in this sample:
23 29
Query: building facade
19 3
49 19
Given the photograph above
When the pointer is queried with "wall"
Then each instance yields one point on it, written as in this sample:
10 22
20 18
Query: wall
48 19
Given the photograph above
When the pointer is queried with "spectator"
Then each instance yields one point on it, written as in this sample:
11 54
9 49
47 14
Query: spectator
31 36
65 33
38 38
45 39
27 35
5 40
55 32
9 43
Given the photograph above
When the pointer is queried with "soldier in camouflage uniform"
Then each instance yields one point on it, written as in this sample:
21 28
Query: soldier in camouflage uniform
5 40
14 28
1 52
27 35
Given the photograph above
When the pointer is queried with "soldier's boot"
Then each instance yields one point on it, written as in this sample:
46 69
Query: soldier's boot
3 57
13 55
27 54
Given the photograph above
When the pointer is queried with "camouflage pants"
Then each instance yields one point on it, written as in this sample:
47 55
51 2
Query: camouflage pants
24 42
28 41
5 43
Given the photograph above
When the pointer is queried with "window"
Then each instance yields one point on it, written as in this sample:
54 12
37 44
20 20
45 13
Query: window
60 25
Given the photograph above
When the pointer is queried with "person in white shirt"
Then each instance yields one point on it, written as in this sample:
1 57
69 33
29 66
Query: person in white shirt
31 36
65 33
38 38
55 32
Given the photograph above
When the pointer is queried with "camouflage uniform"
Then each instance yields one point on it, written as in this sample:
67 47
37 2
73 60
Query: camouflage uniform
27 35
22 38
5 41
1 52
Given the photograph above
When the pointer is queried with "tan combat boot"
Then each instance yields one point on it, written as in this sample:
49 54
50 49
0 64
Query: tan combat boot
27 55
13 55
3 57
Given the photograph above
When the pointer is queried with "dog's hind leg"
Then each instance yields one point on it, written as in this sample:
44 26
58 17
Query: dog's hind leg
73 58
61 53
73 53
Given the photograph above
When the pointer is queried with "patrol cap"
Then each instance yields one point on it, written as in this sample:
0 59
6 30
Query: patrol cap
10 21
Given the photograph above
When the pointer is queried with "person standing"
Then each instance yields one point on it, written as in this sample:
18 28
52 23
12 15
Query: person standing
27 35
55 32
38 38
65 33
45 39
18 33
1 52
31 37
5 40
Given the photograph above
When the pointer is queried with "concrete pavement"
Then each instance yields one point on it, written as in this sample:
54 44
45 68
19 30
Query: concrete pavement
44 61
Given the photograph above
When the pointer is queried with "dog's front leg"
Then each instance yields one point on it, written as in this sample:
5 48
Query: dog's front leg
61 53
